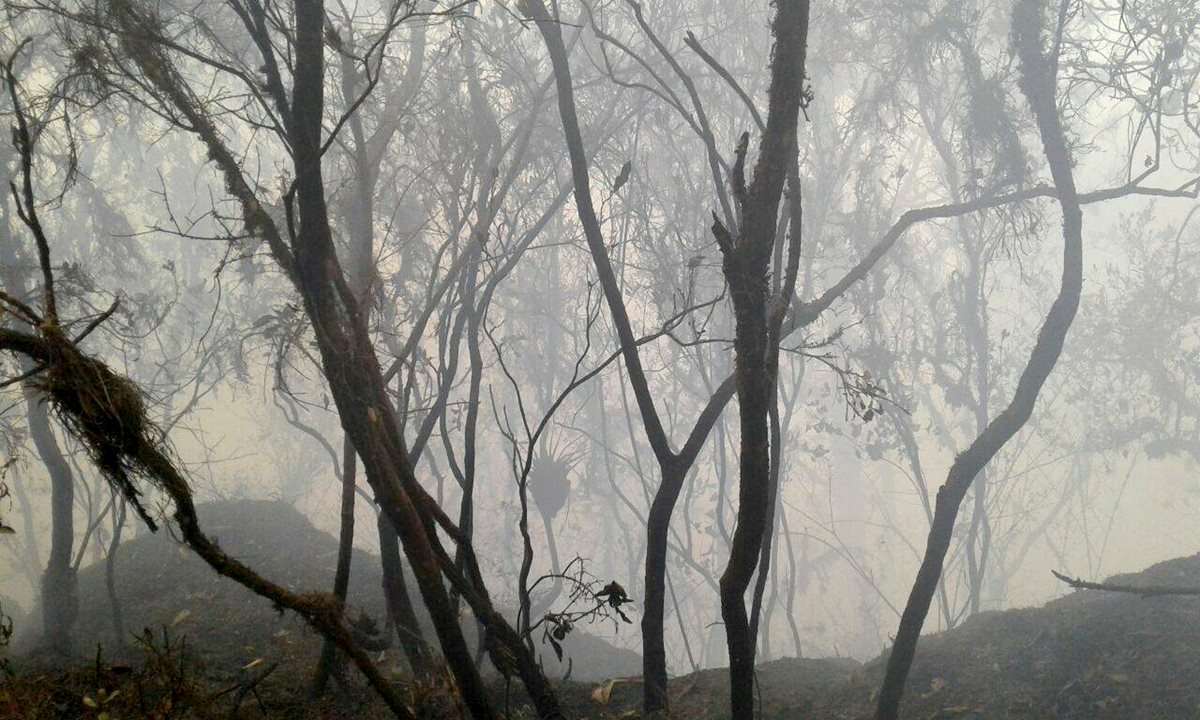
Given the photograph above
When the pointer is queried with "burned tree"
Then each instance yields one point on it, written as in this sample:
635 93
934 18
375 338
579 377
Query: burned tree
759 318
1038 82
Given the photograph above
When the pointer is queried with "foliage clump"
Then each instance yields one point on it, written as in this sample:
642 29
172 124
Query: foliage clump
106 411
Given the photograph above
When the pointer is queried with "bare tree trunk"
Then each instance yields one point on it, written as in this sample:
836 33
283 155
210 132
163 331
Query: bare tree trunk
758 317
1038 81
59 601
544 605
58 594
360 271
658 529
328 661
110 569
764 558
754 466
673 466
352 369
979 532
30 557
790 596
399 605
466 507
909 442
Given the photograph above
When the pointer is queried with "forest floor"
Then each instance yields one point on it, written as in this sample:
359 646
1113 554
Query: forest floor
214 651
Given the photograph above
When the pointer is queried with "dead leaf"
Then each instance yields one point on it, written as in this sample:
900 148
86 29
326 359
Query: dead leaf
603 692
183 615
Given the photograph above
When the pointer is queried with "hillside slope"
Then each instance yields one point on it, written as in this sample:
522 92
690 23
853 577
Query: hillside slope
161 583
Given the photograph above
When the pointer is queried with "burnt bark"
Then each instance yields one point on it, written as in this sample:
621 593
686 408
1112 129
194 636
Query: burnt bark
349 362
764 553
675 465
758 317
327 663
359 220
400 609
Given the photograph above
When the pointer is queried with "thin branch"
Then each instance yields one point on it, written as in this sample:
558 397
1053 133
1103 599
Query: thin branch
26 203
729 79
1146 591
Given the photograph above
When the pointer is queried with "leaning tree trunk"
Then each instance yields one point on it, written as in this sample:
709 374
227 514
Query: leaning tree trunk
658 529
755 378
348 359
674 467
1038 84
360 271
399 604
350 365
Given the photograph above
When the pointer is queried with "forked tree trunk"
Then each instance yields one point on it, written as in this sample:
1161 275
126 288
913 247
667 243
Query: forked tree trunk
758 317
673 466
764 553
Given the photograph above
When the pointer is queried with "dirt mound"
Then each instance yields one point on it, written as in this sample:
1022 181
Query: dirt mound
161 583
1090 654
788 688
